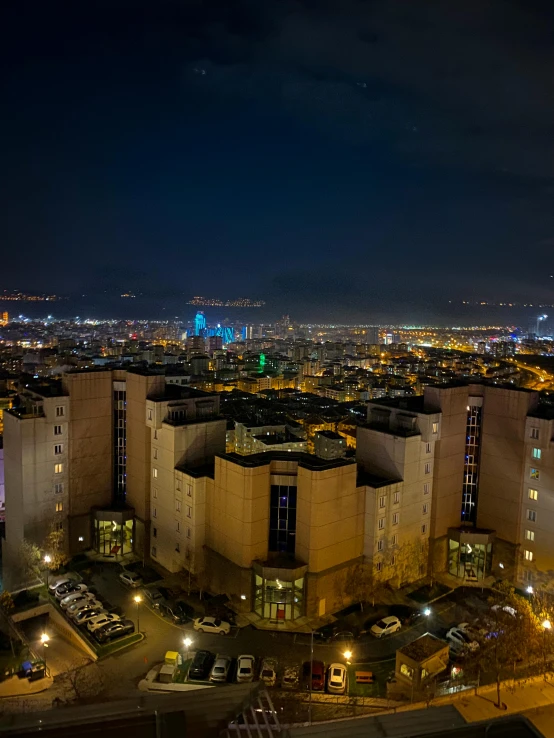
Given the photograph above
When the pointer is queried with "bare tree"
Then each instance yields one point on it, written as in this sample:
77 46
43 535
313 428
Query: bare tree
83 680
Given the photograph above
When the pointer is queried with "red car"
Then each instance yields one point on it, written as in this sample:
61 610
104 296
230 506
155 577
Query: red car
318 675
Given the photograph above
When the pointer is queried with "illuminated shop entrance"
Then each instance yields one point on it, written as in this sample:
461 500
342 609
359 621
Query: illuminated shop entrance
470 553
279 593
113 532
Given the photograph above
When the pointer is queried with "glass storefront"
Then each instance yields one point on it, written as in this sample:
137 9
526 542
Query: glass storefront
113 532
278 598
469 555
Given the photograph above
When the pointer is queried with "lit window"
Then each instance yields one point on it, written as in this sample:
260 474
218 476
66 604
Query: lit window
382 501
395 518
528 555
60 411
407 671
532 516
380 544
394 540
427 468
178 505
435 427
57 430
537 453
155 473
424 529
535 474
154 552
381 523
58 488
378 566
396 498
427 448
530 535
533 494
426 488
58 449
58 468
535 434
425 509
59 506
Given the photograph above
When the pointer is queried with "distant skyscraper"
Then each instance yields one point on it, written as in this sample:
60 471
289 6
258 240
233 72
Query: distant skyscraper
199 323
373 335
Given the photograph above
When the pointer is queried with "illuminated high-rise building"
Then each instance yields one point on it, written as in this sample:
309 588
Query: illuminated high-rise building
199 323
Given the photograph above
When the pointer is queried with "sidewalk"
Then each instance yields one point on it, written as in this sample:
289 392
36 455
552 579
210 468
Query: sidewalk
529 697
16 687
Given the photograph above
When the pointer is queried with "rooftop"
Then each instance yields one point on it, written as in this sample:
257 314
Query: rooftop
331 435
305 460
179 392
423 647
202 470
374 480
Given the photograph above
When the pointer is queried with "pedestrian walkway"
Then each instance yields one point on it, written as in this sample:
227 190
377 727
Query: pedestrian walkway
533 694
16 687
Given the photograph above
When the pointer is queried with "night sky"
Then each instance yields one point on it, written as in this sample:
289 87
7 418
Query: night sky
337 158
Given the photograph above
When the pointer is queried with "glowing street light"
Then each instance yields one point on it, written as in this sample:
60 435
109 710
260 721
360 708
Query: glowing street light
546 625
188 643
529 590
347 655
427 611
44 638
138 600
47 560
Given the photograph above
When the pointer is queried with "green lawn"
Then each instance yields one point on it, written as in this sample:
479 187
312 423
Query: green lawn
118 644
381 671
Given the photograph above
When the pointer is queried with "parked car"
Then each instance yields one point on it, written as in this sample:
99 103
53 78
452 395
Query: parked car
153 596
336 679
131 579
245 668
459 640
80 605
220 669
102 620
70 599
69 588
55 582
87 613
268 672
201 665
406 614
317 681
211 625
179 612
115 630
291 677
505 608
385 626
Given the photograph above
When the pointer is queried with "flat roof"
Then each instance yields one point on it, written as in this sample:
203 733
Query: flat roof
423 647
179 392
305 460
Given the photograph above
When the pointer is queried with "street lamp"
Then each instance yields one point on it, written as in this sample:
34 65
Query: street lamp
427 611
47 560
188 643
138 600
530 591
347 655
44 640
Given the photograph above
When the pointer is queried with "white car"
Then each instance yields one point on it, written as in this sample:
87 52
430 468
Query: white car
336 679
459 640
385 626
212 625
245 668
101 620
75 597
86 614
71 588
131 579
77 606
59 581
